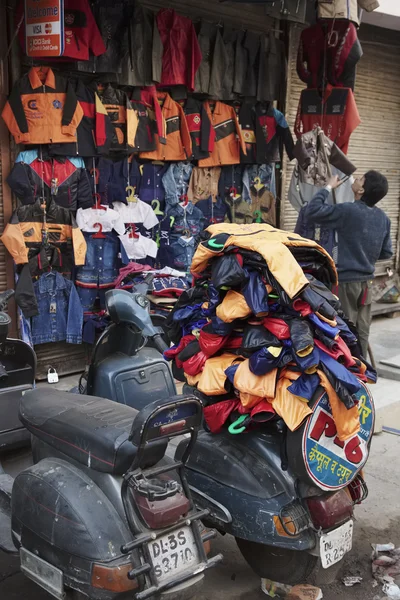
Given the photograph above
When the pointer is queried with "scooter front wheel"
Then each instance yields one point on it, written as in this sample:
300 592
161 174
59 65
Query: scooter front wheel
279 564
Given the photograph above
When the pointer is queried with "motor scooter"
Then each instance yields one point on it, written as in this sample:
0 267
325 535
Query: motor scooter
287 498
101 513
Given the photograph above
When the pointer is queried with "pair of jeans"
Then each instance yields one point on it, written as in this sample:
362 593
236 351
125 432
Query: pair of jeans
60 311
89 295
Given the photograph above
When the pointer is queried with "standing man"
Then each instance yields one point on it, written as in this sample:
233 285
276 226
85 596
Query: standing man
363 232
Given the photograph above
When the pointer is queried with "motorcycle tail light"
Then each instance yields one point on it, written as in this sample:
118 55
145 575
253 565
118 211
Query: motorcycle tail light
113 579
161 501
330 511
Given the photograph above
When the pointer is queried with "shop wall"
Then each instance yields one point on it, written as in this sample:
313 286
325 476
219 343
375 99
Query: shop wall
6 263
375 144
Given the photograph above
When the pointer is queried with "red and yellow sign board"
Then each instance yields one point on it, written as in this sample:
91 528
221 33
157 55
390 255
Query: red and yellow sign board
44 28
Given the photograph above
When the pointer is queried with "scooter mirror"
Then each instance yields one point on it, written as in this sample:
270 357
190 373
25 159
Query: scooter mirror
124 307
5 321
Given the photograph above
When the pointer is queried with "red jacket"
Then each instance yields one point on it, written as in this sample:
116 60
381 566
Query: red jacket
333 45
182 55
81 33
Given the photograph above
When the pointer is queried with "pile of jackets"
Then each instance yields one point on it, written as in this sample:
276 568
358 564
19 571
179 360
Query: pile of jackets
260 331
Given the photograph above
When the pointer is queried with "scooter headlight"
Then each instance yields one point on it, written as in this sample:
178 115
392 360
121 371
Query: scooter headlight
142 301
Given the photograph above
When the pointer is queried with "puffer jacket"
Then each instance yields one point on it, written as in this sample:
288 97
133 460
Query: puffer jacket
345 9
63 179
310 154
273 245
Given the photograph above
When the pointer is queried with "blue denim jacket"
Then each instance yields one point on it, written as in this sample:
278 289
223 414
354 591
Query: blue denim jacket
266 174
101 264
189 219
182 251
176 182
60 311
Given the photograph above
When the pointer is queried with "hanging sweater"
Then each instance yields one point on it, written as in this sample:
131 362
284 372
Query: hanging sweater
363 235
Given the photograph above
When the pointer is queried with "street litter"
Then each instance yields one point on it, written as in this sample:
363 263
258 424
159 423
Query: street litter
273 589
305 592
386 568
350 581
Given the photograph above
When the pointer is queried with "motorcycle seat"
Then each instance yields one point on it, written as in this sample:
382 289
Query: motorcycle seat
91 430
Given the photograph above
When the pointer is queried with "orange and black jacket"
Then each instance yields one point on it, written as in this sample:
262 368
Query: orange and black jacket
178 141
95 131
43 109
122 115
26 234
226 138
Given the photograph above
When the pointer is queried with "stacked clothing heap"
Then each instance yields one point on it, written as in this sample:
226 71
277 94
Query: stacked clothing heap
259 331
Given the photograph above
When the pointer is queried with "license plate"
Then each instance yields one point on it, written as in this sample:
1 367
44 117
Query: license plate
336 544
174 553
43 573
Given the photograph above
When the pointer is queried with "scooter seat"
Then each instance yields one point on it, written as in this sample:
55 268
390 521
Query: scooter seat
93 431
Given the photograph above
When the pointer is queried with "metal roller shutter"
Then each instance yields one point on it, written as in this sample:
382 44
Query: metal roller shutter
376 143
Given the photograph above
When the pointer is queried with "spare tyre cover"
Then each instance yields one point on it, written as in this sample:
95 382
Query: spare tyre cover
316 454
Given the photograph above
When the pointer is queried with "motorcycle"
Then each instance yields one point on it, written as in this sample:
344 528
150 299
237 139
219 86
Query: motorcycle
101 513
287 497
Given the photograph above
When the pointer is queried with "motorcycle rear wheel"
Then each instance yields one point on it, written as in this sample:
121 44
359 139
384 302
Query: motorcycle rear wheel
278 564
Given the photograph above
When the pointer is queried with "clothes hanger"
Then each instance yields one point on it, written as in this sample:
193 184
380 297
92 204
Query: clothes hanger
155 205
97 204
132 231
99 235
184 200
131 197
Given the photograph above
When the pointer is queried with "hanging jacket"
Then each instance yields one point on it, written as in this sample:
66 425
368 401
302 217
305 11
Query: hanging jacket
310 154
204 182
329 51
207 33
178 144
344 9
147 125
81 33
64 180
182 54
176 182
229 38
60 311
142 64
272 68
271 128
26 232
94 132
122 115
42 109
336 113
199 127
125 173
226 137
100 173
112 19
